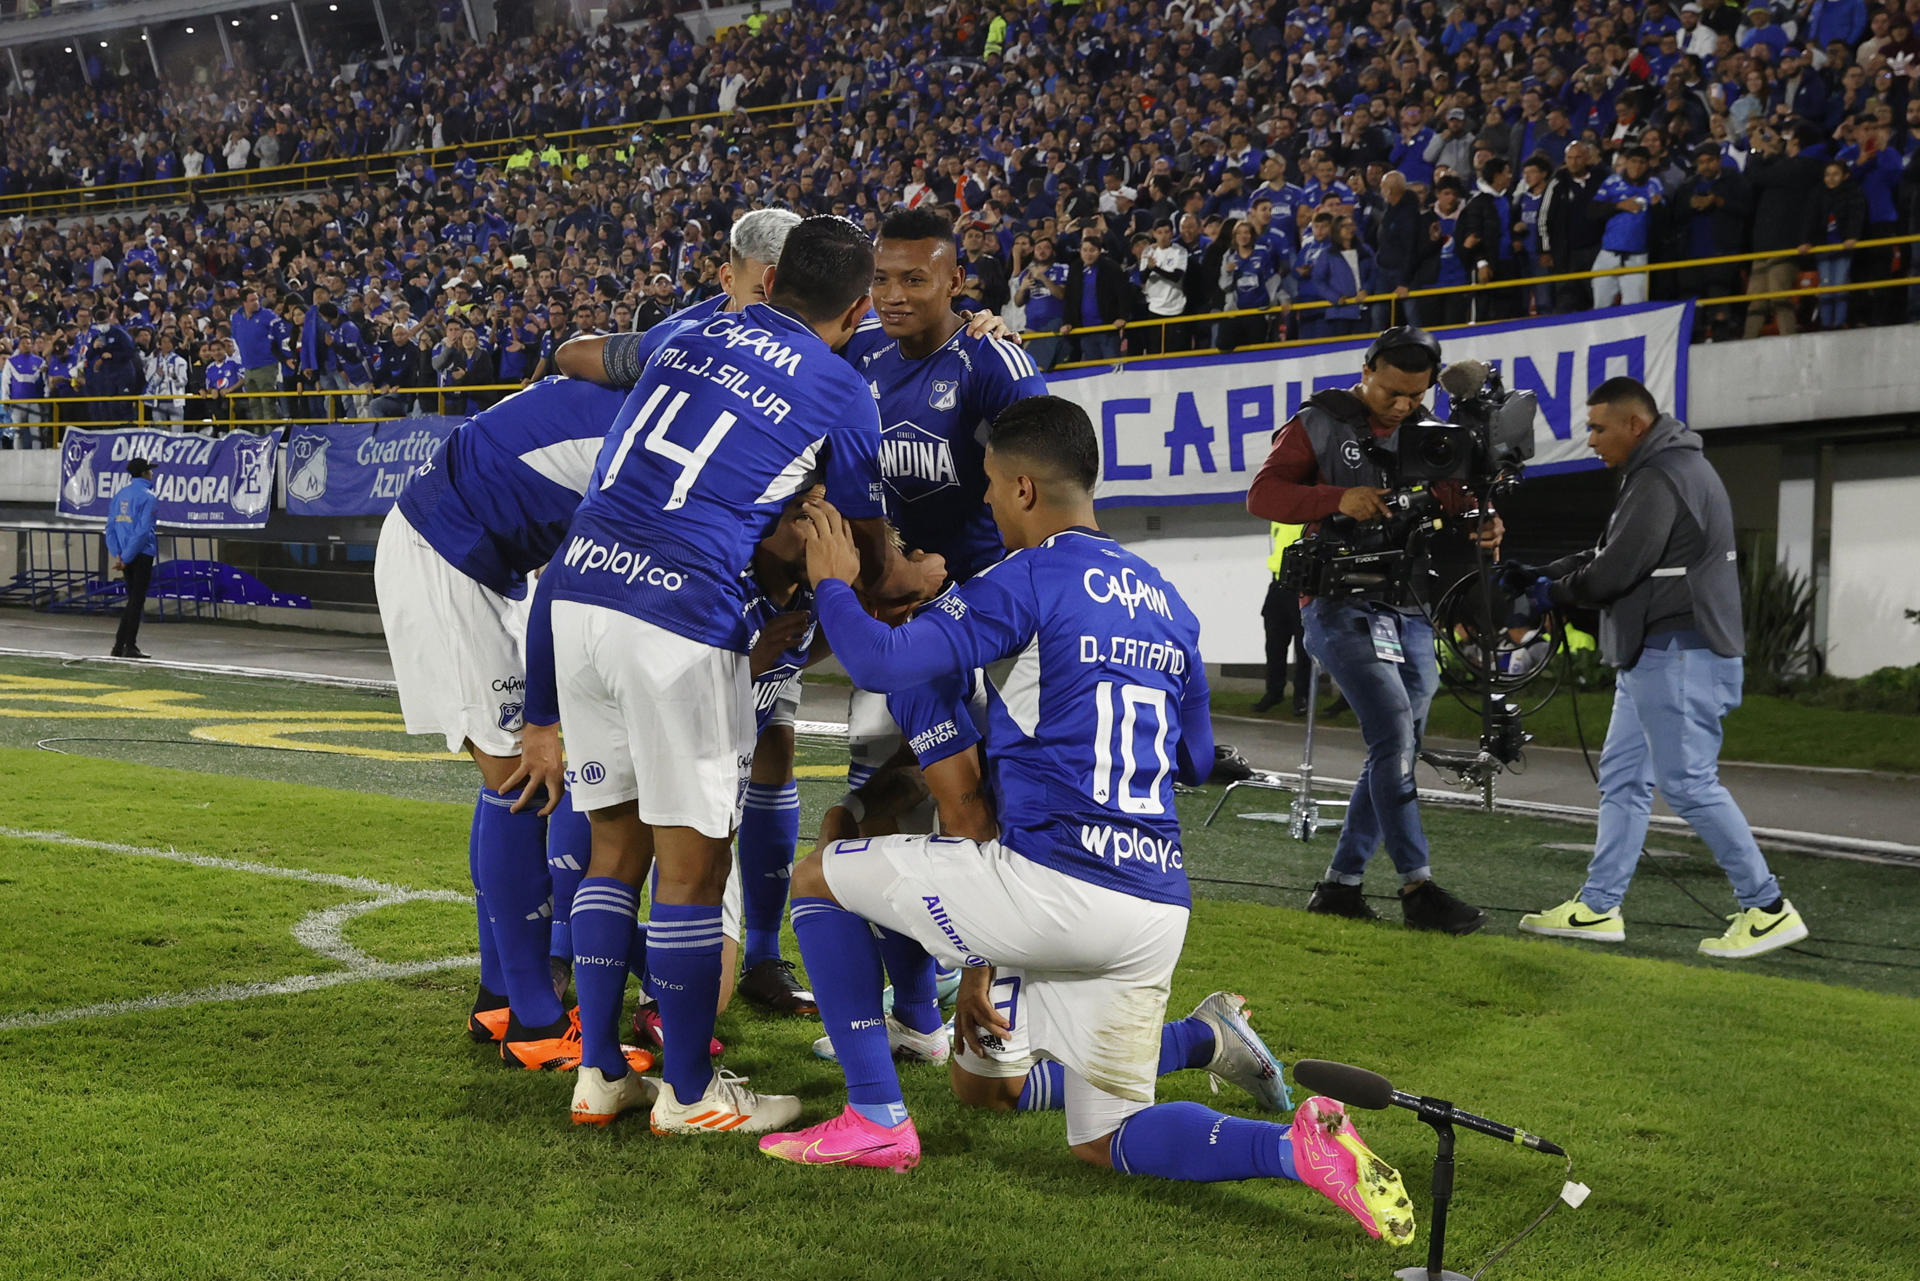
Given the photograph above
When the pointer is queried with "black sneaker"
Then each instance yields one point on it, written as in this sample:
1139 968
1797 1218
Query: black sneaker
771 985
1428 907
133 651
1331 898
1268 701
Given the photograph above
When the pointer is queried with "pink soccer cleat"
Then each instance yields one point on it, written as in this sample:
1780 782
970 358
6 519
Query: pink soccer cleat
1331 1159
646 1023
849 1139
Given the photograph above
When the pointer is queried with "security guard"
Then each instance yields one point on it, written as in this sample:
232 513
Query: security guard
132 542
1668 590
1280 616
1379 652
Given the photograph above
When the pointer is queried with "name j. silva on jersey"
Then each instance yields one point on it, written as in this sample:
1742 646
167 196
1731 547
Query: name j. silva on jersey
738 381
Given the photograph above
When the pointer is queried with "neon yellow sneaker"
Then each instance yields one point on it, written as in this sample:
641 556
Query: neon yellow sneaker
1756 930
1575 920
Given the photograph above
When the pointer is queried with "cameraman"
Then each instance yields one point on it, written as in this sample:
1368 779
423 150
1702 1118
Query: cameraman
1326 461
1668 590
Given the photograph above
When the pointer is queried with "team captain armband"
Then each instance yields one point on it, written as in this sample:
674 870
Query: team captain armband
621 357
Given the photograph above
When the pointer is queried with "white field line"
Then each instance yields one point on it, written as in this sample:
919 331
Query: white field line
321 932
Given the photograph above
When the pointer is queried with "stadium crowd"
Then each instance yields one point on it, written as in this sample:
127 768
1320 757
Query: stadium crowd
1105 162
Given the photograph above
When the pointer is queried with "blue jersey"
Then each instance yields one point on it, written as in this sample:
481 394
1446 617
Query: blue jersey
934 414
934 719
769 685
1626 233
496 497
732 417
1095 691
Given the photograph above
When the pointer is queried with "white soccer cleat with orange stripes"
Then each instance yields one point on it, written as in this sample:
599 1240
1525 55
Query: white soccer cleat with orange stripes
728 1107
598 1101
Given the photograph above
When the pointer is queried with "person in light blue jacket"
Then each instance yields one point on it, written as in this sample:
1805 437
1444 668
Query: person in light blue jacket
1340 276
133 543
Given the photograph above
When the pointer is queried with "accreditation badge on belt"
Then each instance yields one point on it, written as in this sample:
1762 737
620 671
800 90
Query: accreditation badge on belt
1386 638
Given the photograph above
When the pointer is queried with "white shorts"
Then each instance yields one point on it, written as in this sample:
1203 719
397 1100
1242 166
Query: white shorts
652 717
458 649
872 737
1093 966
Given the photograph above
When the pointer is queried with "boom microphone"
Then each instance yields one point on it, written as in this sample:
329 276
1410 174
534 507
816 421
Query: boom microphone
1463 379
1360 1088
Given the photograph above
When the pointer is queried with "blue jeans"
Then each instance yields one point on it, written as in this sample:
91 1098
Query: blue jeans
1834 270
1100 346
1665 733
1391 701
1044 351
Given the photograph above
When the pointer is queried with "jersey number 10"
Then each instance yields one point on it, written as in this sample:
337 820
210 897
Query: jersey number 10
1133 736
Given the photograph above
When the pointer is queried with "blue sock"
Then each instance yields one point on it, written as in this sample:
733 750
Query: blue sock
911 969
1193 1143
637 962
683 957
843 964
603 912
513 872
769 831
569 851
491 977
1185 1043
1045 1090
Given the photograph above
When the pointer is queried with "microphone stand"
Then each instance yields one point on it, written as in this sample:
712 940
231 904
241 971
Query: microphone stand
1434 1112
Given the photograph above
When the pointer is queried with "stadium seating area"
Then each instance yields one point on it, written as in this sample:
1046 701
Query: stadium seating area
1109 161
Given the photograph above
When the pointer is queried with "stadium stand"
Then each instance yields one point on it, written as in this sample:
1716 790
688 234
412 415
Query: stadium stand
440 217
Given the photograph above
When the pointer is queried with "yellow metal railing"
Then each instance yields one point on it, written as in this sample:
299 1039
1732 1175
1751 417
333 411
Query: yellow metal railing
1527 282
311 173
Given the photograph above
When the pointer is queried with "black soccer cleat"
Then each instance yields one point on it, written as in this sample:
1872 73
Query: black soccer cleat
771 985
1428 907
487 1021
1332 898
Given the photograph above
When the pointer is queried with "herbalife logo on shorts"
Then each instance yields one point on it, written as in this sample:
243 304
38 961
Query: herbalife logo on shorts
589 555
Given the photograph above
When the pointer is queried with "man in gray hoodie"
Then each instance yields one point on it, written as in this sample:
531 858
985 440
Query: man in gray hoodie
1665 581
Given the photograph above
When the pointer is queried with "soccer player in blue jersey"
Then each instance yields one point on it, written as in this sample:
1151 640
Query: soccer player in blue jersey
488 508
1084 896
994 1068
938 386
946 343
726 422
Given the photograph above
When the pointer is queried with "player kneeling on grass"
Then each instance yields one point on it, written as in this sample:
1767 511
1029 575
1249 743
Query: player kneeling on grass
1085 894
994 1068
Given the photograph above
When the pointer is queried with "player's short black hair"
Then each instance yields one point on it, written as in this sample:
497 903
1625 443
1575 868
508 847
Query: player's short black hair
1626 393
1050 430
825 267
917 224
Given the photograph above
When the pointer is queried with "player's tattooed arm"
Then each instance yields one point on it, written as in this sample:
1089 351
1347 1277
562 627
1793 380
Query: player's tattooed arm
961 796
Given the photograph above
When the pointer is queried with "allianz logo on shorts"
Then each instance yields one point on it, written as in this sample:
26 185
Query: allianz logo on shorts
1119 845
593 772
589 555
941 919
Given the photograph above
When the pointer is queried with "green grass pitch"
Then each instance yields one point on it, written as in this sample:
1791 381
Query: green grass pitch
326 1122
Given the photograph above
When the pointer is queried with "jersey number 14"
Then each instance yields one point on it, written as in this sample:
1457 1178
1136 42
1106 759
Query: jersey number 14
691 460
